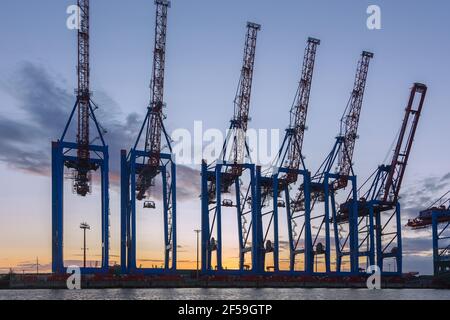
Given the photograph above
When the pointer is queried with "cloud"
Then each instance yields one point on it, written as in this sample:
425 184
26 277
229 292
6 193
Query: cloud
188 183
45 107
40 101
417 246
446 178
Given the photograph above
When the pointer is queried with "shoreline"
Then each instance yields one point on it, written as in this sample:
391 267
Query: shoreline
186 281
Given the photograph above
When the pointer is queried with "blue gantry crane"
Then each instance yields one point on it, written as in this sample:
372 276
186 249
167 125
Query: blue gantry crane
274 187
326 182
146 162
437 215
226 176
81 157
379 216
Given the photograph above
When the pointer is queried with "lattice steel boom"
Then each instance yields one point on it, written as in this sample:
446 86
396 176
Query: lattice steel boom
349 123
242 99
82 177
155 119
83 80
299 110
403 147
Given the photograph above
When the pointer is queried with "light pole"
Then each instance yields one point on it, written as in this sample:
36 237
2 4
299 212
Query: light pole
84 226
198 234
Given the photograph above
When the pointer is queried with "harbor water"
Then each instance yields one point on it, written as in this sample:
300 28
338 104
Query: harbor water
227 294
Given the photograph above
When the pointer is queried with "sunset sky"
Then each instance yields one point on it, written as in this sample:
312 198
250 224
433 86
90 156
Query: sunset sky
204 54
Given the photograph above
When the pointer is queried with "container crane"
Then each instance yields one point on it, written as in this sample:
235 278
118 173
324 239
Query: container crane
228 171
438 217
379 219
274 188
326 183
142 166
81 157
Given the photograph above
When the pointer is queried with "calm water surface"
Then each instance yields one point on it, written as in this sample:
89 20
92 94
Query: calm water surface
225 294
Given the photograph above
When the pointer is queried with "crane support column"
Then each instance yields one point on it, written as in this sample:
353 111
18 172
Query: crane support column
76 157
325 184
146 164
441 241
379 210
234 174
274 187
438 217
388 231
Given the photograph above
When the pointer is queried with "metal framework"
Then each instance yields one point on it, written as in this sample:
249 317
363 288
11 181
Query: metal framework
441 241
325 184
140 168
379 215
438 217
274 187
228 172
81 157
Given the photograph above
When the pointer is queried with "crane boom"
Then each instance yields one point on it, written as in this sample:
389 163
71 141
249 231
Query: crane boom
154 129
349 123
242 99
402 150
83 80
81 167
155 109
387 179
299 110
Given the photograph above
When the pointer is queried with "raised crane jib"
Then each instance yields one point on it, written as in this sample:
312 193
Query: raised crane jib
239 123
299 110
83 93
350 121
393 182
155 109
82 168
